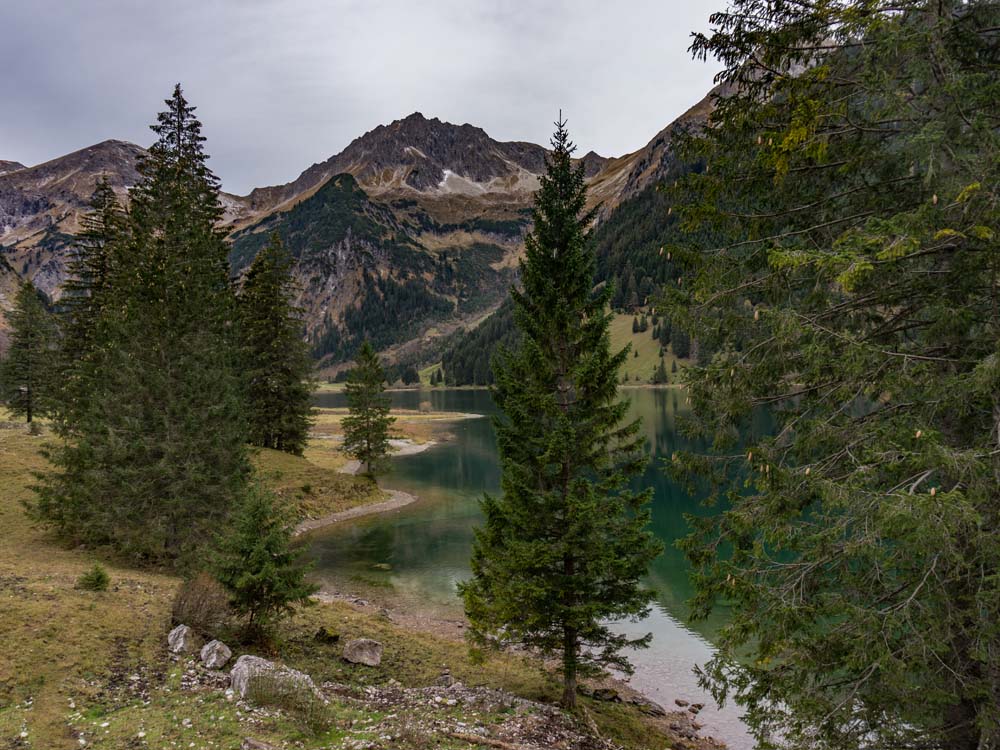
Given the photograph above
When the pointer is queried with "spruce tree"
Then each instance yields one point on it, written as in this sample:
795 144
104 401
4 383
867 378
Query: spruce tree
28 370
84 294
156 458
564 545
366 427
843 265
89 269
276 365
660 375
256 564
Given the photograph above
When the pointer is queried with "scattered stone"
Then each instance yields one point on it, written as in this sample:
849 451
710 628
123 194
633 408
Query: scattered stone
248 666
363 651
607 694
681 702
697 706
647 706
585 690
179 640
325 635
251 744
215 654
445 680
382 566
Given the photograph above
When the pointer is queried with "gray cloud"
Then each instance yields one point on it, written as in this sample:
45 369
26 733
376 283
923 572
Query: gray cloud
282 84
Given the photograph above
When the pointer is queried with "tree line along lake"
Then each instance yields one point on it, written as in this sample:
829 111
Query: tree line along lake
414 556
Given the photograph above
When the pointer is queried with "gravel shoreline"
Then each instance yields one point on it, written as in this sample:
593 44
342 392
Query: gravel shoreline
397 499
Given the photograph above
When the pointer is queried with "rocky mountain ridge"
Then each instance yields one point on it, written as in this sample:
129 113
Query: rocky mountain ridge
428 156
424 234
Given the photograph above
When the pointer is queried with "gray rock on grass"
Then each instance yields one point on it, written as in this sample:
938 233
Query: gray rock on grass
180 640
363 651
215 654
247 667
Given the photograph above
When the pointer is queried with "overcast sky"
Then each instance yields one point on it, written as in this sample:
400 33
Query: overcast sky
281 84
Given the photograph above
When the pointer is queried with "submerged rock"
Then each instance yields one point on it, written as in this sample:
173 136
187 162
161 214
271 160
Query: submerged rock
363 651
647 706
215 654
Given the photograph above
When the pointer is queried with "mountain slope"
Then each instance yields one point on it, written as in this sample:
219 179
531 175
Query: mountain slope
10 166
40 207
413 229
629 175
363 273
421 155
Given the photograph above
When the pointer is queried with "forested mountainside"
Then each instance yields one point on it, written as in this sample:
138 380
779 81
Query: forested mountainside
413 230
362 272
631 255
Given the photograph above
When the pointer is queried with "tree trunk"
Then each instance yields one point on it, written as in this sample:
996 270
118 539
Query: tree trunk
964 734
569 668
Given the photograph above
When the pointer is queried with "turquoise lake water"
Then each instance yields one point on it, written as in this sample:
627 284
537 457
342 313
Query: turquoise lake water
426 545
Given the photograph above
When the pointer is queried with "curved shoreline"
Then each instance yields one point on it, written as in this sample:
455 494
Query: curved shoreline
455 629
397 499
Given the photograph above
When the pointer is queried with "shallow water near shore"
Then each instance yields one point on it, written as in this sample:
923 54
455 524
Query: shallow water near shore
416 554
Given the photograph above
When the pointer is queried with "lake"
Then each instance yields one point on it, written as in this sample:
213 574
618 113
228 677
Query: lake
427 544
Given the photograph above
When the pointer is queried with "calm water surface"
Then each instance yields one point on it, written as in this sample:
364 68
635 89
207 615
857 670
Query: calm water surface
427 544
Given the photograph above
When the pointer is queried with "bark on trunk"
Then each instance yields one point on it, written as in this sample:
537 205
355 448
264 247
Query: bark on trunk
569 668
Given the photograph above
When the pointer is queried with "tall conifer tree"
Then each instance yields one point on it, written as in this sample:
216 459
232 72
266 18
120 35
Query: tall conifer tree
366 428
276 366
28 370
851 194
156 460
84 294
564 545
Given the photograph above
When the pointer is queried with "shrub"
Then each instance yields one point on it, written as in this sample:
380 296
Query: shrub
296 700
261 572
95 579
202 604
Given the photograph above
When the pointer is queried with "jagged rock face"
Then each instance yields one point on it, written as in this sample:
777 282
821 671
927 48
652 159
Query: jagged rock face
420 155
40 207
365 268
61 185
627 176
9 166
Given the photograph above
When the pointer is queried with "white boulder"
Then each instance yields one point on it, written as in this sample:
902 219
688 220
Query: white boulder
180 639
248 667
215 654
363 651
